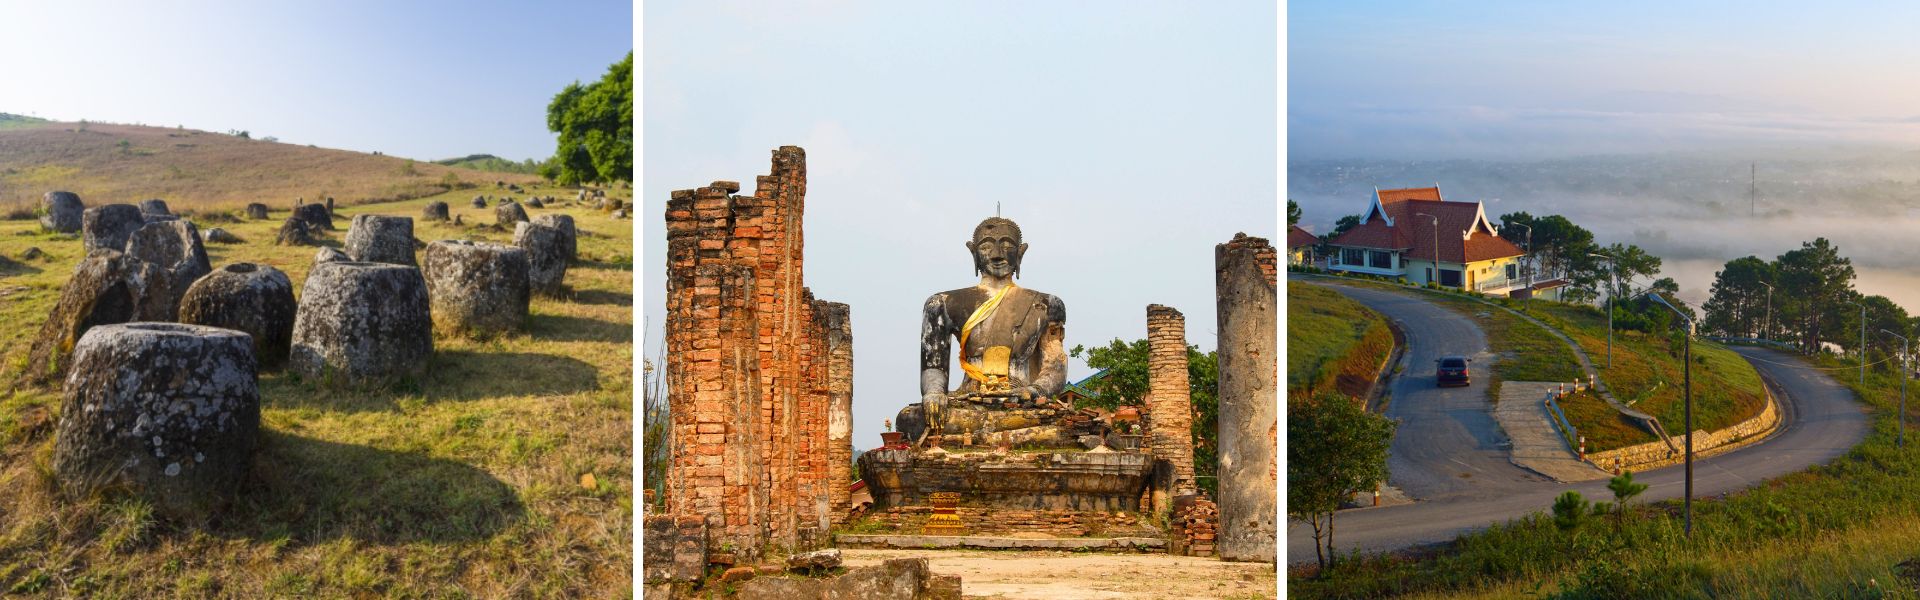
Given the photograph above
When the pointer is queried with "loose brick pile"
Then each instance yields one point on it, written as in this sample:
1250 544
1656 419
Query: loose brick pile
1196 526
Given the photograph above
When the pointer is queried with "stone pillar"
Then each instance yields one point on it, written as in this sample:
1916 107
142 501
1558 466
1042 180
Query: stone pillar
840 407
1249 367
1169 398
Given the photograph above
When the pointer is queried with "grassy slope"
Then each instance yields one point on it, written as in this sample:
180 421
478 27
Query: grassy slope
1332 341
201 170
464 483
1846 530
1646 372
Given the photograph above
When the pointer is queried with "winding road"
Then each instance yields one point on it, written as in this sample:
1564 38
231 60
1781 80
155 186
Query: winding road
1450 456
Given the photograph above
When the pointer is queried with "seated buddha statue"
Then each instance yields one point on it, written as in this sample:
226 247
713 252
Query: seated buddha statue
1009 341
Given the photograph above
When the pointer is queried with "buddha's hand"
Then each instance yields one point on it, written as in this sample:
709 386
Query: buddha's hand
932 399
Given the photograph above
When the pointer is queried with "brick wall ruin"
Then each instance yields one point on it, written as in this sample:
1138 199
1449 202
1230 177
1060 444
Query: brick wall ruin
749 369
1169 397
1249 372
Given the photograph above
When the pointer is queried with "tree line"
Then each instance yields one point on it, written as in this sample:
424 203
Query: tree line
1812 303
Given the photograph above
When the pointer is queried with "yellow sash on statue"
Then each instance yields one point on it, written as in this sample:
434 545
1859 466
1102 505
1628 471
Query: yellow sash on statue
991 382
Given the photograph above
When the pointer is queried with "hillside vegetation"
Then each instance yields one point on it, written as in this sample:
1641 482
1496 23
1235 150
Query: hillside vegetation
502 472
1333 342
200 170
489 162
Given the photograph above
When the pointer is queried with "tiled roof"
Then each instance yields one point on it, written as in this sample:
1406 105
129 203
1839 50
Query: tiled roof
1413 230
1297 237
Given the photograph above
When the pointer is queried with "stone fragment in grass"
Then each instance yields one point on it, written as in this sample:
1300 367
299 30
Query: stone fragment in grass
294 232
257 211
216 235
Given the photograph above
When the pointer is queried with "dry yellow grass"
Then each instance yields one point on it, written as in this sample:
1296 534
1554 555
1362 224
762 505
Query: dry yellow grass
463 483
199 170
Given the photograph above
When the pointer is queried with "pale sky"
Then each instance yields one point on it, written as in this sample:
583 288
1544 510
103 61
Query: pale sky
1126 139
1525 80
426 80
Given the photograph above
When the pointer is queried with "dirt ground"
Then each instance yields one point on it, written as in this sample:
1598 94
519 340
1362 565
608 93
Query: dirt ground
1087 576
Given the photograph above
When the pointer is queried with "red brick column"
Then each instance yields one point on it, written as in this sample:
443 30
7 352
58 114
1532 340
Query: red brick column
1169 397
1249 363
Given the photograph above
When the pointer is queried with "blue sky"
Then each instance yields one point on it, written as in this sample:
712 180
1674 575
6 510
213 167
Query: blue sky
1126 138
1424 80
426 80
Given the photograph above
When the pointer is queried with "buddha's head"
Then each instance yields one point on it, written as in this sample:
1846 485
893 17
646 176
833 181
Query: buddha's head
996 247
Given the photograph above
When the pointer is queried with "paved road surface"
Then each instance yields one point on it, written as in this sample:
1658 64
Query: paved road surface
1822 421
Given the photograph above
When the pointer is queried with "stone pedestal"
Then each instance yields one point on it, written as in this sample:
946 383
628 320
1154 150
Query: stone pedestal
1103 481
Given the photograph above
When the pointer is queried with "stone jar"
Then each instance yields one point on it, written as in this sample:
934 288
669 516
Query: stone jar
175 246
294 232
107 287
254 299
257 211
316 215
63 212
479 201
477 287
569 236
108 226
546 251
508 213
154 207
435 211
166 412
361 323
380 238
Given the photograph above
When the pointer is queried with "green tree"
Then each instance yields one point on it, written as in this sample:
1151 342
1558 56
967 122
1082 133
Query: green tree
1554 237
1125 384
1817 283
595 123
1738 306
1293 213
1624 489
1335 449
1569 511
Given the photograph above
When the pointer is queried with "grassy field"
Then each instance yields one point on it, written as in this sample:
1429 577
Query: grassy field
1332 341
1648 372
505 471
200 170
1604 427
1845 530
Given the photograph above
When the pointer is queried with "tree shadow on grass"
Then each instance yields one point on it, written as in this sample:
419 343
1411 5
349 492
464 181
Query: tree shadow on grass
12 268
561 328
451 376
311 491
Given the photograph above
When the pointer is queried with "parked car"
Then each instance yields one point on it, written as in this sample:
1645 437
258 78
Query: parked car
1453 370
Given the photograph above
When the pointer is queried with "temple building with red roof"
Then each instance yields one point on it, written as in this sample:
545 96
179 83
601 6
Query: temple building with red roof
1416 235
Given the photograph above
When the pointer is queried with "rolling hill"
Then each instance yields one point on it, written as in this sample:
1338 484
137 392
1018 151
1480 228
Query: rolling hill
201 170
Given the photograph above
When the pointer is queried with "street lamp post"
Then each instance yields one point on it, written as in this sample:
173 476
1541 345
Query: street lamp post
1612 288
1767 332
1687 507
1863 341
1436 250
1906 371
1529 257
